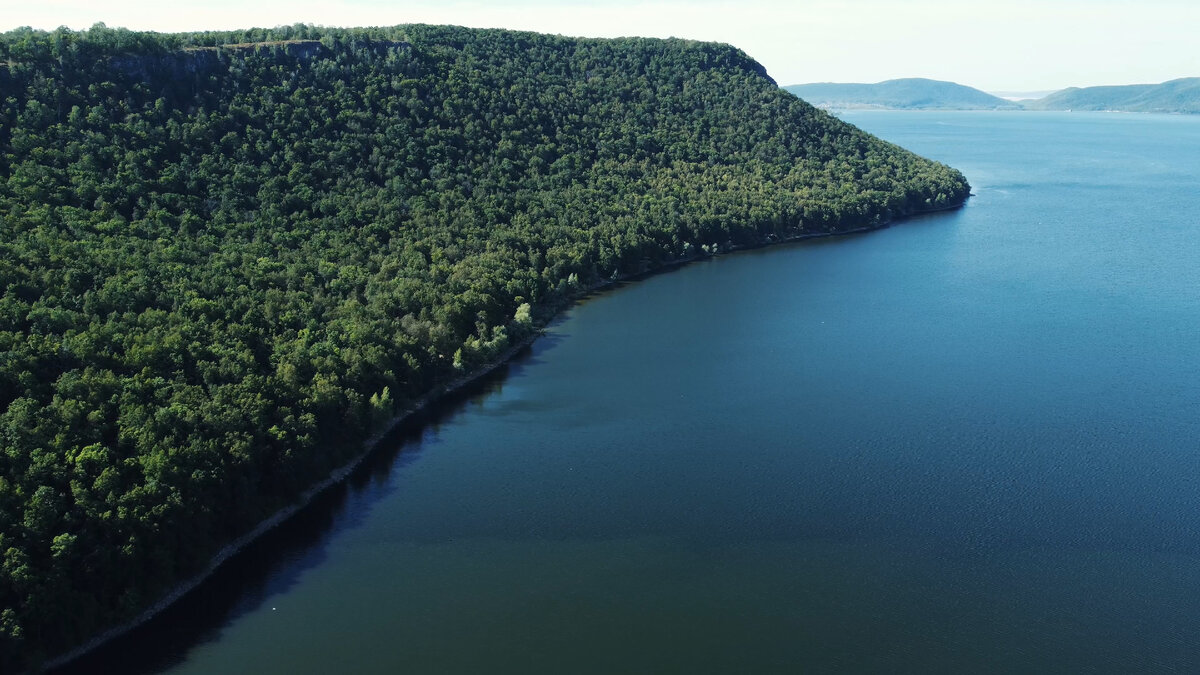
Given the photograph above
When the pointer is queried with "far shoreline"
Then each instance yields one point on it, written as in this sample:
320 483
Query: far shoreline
833 110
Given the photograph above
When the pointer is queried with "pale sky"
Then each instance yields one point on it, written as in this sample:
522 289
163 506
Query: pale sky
1012 45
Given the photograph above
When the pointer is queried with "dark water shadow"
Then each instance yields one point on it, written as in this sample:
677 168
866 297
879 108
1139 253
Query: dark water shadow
275 562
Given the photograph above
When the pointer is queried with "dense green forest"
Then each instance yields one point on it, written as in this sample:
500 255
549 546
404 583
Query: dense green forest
226 257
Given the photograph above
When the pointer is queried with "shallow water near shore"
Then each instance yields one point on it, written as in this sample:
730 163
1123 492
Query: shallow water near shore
969 442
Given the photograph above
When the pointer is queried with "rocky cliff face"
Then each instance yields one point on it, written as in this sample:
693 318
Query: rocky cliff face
200 60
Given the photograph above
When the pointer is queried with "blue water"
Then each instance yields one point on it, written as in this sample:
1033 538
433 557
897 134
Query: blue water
966 443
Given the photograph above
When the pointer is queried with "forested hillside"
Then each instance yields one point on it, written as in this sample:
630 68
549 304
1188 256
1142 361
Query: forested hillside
226 257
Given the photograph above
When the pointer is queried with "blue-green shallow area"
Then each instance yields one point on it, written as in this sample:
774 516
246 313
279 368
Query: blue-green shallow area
966 443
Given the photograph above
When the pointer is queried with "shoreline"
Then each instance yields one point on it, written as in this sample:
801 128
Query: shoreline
373 443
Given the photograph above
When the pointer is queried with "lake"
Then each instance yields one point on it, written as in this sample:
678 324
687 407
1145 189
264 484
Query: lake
966 443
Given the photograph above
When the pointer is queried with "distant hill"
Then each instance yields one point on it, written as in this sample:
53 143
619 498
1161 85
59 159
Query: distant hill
912 93
1177 96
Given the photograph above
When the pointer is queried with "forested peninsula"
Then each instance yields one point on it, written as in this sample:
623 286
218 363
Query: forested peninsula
227 258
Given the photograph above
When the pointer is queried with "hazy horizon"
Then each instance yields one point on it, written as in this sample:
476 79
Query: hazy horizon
1025 45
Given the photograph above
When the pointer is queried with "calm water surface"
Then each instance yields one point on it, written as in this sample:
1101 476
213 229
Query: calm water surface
970 442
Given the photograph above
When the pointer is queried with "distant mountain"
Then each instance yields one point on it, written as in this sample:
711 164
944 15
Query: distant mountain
912 93
1176 96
